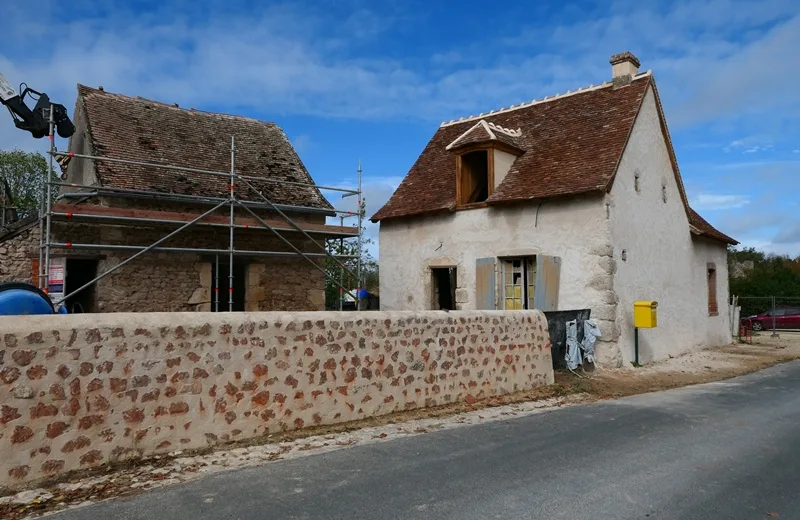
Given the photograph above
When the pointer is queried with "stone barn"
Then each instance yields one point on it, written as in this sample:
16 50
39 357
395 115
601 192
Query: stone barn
108 211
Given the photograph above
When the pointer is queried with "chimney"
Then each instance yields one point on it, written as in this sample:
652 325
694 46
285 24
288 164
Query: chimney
624 66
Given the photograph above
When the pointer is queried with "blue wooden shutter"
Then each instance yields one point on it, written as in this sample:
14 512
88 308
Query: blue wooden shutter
484 284
548 274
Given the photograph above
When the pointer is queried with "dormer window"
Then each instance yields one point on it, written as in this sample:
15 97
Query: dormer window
476 152
475 176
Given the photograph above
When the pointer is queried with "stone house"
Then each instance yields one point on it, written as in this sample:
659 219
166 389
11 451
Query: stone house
573 201
96 220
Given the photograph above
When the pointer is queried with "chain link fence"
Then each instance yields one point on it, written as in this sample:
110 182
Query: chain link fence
769 313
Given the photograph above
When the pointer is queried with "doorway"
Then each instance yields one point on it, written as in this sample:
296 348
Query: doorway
80 271
239 285
444 288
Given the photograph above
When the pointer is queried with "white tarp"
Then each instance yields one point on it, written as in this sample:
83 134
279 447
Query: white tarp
591 332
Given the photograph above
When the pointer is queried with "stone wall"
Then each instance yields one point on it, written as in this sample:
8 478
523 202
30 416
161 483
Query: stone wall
175 282
16 253
79 391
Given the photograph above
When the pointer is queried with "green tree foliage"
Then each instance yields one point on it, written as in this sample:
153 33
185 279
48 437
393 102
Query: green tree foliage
23 173
770 275
369 268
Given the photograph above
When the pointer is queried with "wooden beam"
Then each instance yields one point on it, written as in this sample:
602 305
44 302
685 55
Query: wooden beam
77 210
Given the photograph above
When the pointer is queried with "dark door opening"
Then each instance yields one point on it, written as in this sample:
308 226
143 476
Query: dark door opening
239 285
444 288
80 271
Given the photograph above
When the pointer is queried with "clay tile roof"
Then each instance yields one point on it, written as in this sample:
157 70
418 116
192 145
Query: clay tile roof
700 226
148 131
572 145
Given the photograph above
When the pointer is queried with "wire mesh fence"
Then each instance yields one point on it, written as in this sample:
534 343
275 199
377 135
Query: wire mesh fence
769 313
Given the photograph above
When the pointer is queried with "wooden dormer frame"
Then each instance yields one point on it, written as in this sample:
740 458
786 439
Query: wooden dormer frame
489 149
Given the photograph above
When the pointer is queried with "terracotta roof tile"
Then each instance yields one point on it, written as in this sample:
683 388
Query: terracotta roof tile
700 226
143 130
572 145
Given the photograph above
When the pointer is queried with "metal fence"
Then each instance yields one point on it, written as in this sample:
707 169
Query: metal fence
769 313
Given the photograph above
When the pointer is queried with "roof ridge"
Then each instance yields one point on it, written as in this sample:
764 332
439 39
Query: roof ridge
486 127
172 105
508 131
538 101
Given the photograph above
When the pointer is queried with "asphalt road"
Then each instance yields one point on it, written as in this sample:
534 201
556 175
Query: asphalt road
728 450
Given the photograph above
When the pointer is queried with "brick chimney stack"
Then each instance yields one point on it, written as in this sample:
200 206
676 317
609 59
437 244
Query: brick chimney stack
624 66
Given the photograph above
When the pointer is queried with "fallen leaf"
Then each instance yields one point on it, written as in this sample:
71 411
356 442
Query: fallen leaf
773 515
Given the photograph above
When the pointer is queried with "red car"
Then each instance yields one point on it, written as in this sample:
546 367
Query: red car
783 318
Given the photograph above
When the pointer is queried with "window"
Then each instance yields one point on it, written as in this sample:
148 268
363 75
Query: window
223 271
636 181
475 177
519 281
713 309
444 288
664 193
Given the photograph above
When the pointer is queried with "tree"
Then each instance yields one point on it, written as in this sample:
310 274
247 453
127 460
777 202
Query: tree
23 173
770 275
369 267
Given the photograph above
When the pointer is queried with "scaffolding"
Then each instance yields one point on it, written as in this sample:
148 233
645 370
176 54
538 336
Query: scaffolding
50 212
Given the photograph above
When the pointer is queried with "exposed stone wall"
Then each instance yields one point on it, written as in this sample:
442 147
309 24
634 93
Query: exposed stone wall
16 254
175 282
78 391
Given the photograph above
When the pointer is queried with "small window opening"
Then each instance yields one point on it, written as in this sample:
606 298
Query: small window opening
239 284
636 182
664 193
474 177
713 309
519 281
444 288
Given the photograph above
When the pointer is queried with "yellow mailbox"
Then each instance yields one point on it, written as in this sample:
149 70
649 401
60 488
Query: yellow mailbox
645 315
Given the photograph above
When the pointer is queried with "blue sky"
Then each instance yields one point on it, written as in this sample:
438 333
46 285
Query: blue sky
352 79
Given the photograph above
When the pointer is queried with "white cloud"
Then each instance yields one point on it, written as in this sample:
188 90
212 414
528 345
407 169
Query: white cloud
711 201
291 59
301 143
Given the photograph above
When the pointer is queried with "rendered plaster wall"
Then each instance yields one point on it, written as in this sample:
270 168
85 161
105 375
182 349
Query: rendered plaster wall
78 391
663 262
576 230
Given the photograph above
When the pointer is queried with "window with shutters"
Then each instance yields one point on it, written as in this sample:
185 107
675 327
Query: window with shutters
519 282
713 309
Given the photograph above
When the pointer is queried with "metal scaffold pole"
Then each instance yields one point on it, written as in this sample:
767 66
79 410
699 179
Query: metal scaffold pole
40 267
216 283
49 202
358 252
48 212
341 270
232 224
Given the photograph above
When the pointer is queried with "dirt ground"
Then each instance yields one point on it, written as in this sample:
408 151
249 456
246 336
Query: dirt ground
699 366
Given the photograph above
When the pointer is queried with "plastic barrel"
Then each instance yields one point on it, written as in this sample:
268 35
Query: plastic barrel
19 299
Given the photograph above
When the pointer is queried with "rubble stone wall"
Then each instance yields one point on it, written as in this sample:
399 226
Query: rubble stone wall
83 390
176 282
